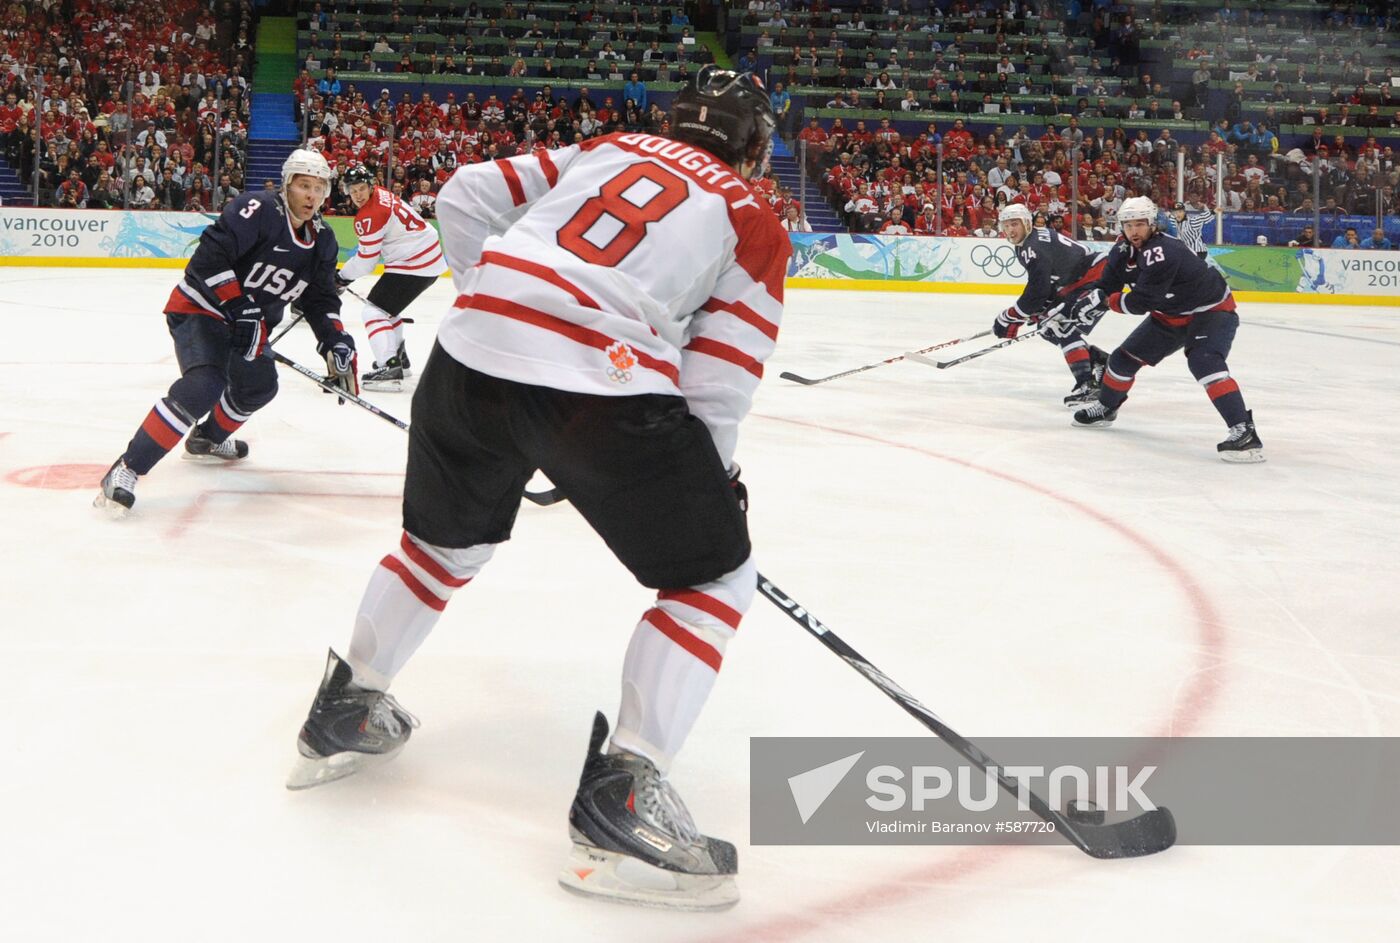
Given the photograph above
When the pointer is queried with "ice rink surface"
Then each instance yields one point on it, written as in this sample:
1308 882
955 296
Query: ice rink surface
1016 574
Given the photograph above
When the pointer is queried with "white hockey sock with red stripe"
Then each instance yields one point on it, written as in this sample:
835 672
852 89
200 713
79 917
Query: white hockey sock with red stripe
385 331
402 603
673 660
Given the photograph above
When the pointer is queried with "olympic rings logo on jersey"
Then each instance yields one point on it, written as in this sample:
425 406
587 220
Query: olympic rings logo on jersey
623 360
996 262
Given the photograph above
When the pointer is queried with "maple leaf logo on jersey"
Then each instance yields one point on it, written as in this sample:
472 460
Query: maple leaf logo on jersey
623 360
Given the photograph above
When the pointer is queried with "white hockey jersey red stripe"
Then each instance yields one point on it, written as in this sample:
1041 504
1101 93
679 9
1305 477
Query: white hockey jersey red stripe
517 192
744 313
538 271
574 332
714 348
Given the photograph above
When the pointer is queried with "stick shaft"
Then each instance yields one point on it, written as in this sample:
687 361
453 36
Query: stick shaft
808 381
966 748
330 388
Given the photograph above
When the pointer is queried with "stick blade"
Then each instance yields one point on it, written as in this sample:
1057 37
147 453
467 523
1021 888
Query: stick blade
1146 834
796 379
545 498
920 358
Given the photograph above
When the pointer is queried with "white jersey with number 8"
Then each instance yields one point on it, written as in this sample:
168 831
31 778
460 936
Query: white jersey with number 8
628 264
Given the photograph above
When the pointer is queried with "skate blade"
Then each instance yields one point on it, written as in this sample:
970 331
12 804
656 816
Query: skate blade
607 875
311 771
382 386
210 459
1101 424
115 510
1247 457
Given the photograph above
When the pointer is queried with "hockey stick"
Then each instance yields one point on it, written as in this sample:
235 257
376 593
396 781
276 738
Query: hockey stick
1053 316
945 364
1145 834
320 381
542 498
809 381
290 324
402 320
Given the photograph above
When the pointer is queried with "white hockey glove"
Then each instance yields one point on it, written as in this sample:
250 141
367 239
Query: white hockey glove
343 365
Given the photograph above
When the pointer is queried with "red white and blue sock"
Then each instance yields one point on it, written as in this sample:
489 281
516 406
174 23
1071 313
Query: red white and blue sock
1225 396
162 429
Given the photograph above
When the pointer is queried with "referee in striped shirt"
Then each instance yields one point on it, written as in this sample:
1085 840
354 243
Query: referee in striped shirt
1189 227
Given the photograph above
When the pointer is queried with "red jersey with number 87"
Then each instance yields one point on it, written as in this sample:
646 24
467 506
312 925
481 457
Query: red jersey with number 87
392 232
628 264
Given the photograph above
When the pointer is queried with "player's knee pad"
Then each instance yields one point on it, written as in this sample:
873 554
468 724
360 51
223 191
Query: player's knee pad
1123 363
434 573
712 610
452 566
251 385
1203 362
375 316
197 391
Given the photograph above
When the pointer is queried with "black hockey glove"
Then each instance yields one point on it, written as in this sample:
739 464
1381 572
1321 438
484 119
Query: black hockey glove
741 491
341 284
342 364
247 333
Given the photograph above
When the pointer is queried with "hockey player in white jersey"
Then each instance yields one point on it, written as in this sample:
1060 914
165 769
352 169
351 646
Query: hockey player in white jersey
617 301
393 233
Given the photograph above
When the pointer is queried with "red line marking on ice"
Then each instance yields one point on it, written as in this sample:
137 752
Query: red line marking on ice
1192 705
191 513
57 477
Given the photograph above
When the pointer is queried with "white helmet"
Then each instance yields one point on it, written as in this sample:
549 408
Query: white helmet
1015 211
1137 207
309 162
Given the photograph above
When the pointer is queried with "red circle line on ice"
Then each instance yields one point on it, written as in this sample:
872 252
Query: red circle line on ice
58 477
1194 700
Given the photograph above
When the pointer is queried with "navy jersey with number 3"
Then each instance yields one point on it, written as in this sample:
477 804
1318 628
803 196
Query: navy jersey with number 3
252 255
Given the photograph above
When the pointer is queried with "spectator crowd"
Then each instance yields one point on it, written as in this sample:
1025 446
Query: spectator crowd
126 104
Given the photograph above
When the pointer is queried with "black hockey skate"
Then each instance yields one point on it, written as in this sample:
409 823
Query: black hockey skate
118 492
1095 415
1087 390
387 378
349 728
1098 359
402 355
635 842
1242 444
197 447
1083 394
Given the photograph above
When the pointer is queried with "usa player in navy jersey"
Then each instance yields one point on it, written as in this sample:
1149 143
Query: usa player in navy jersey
260 255
1188 305
1058 270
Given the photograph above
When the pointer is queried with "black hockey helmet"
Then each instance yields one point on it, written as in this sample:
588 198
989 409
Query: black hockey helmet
725 112
359 174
